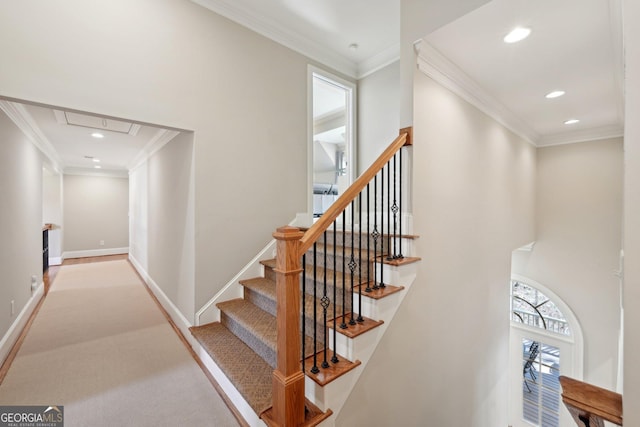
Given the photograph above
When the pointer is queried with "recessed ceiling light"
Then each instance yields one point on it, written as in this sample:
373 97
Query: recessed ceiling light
554 94
517 34
98 167
571 122
96 160
97 135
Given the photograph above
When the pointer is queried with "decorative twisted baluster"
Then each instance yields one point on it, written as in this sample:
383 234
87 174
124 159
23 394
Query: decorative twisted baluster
343 324
325 303
352 261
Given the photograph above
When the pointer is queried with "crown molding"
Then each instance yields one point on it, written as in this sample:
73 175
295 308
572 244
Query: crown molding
275 32
435 65
379 61
159 140
21 117
604 132
109 173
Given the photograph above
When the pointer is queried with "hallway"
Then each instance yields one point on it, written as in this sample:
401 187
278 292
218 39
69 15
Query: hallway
102 348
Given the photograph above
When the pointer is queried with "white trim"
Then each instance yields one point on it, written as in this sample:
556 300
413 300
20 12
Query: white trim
350 126
603 132
110 173
159 140
21 117
378 61
56 260
94 252
272 30
178 318
233 289
9 339
435 65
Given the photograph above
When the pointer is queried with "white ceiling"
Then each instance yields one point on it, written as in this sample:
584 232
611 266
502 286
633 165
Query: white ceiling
575 46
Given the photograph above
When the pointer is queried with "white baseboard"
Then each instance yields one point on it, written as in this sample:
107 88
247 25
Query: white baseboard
178 318
94 252
55 260
12 335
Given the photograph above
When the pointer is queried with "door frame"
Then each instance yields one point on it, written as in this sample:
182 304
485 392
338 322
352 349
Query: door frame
350 129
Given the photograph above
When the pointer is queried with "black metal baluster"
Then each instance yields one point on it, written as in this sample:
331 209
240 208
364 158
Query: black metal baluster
334 359
368 288
360 319
304 292
352 262
325 304
343 324
375 233
400 256
381 284
389 250
394 207
315 369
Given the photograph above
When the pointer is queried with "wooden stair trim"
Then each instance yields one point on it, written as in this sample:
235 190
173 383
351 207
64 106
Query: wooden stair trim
333 372
587 400
401 261
358 329
316 230
378 293
313 415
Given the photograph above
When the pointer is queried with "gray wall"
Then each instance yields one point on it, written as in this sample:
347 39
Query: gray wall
96 208
176 64
21 219
443 358
578 242
162 236
632 213
378 104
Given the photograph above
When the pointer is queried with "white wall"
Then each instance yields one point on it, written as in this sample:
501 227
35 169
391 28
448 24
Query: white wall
52 211
578 242
631 225
442 361
21 219
173 63
378 105
162 221
96 209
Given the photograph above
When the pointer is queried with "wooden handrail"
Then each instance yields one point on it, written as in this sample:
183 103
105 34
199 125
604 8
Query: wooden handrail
589 405
325 221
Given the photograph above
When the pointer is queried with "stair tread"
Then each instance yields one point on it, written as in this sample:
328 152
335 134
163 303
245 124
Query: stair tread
250 374
261 285
260 323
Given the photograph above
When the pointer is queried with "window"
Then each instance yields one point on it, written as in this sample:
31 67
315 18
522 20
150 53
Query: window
533 308
546 342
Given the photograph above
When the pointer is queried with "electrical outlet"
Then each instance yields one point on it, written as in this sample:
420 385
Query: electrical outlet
13 308
101 242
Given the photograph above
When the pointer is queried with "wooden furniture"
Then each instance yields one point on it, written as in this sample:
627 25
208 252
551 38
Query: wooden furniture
589 405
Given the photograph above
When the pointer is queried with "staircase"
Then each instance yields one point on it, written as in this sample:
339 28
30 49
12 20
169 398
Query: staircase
352 279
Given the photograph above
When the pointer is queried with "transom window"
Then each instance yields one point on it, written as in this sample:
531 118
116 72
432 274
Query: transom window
531 307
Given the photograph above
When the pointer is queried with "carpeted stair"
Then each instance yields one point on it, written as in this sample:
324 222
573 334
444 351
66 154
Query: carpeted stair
243 343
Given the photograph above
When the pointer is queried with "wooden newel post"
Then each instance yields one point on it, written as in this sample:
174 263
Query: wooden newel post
288 378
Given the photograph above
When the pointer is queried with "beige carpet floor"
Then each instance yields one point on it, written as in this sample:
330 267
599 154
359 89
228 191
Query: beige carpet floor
101 347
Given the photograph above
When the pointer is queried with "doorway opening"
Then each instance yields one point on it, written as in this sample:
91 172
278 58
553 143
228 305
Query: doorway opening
332 139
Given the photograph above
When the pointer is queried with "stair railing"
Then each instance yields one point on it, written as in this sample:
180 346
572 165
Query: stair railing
589 405
350 269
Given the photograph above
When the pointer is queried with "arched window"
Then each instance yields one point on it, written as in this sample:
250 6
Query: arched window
546 342
532 307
